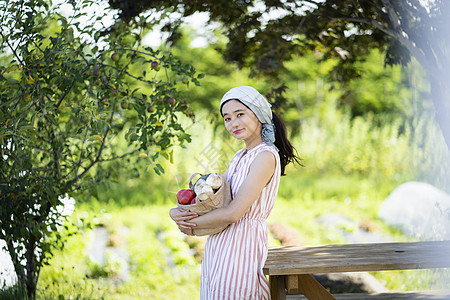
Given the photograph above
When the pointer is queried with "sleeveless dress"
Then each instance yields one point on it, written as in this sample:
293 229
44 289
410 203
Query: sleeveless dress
233 261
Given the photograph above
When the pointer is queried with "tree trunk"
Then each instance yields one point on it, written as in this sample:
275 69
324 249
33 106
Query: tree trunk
31 267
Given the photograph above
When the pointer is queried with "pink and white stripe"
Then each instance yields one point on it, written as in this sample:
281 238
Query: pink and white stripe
234 258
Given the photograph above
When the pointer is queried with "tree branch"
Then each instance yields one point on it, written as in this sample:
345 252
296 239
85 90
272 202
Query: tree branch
312 2
127 73
377 8
118 157
419 8
57 105
128 49
12 49
393 17
81 152
102 145
402 39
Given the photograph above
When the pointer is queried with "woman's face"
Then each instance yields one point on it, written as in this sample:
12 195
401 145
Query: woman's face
240 121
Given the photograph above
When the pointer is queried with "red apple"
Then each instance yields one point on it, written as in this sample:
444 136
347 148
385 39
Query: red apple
185 196
193 201
155 65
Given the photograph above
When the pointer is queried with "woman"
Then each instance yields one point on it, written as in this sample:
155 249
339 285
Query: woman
234 258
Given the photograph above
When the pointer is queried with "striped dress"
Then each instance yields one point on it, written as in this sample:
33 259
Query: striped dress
234 258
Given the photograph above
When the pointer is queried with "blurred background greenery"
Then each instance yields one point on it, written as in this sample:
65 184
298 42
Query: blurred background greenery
358 142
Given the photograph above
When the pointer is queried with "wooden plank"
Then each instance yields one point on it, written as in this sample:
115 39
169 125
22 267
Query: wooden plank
277 287
273 287
292 260
292 284
312 289
431 295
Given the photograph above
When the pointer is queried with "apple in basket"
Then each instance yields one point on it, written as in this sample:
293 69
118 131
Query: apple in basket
185 196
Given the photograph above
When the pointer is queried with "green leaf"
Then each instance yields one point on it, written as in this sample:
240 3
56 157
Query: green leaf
171 156
52 119
159 169
94 192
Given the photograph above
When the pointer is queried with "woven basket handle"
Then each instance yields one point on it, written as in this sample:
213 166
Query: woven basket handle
190 179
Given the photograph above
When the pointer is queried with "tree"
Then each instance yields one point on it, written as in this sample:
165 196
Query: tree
68 90
264 34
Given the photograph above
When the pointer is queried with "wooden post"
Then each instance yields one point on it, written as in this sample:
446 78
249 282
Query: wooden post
312 289
292 284
277 287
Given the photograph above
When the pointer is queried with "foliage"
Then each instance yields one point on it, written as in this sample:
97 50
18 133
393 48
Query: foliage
386 145
68 90
384 92
265 34
221 75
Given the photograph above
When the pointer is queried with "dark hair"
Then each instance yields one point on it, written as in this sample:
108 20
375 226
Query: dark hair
287 152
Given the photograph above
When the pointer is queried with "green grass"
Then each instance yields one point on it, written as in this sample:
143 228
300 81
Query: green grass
13 292
162 266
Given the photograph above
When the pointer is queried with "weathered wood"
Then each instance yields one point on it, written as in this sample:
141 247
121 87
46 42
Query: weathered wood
277 287
432 295
357 257
292 284
312 289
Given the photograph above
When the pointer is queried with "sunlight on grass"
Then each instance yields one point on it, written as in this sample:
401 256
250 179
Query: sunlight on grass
161 264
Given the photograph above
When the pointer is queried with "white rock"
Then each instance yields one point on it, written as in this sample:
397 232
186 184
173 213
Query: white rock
419 209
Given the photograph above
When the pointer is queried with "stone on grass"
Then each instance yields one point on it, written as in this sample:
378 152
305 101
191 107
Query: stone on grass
419 209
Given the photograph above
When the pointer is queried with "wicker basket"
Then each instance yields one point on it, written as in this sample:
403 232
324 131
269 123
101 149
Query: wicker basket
221 198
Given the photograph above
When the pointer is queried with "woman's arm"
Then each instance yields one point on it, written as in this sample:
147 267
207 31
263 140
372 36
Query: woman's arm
261 171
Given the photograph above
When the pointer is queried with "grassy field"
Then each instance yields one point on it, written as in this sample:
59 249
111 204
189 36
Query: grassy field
162 262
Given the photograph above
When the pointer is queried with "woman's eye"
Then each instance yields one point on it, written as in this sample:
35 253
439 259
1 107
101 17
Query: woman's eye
240 114
226 119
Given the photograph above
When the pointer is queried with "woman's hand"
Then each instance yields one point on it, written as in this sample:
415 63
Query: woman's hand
182 217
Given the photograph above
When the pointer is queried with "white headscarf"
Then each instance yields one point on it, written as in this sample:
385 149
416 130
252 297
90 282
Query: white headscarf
260 107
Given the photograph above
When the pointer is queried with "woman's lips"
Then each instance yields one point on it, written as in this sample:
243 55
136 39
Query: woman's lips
237 131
